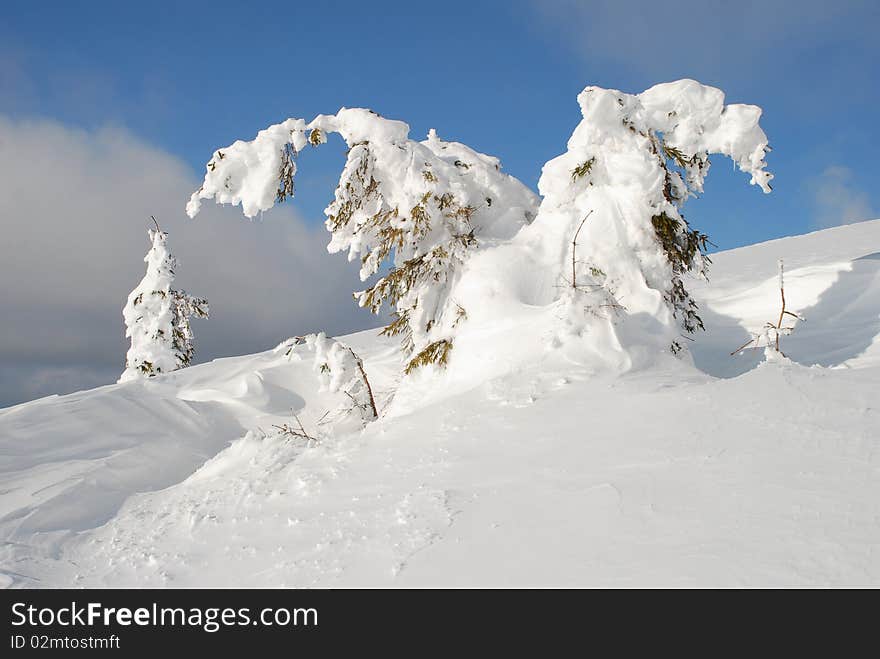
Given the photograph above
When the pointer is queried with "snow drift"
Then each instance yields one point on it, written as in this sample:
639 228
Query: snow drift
531 472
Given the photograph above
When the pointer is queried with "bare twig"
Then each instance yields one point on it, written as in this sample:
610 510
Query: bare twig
744 346
287 429
156 223
296 341
360 365
778 329
782 312
574 250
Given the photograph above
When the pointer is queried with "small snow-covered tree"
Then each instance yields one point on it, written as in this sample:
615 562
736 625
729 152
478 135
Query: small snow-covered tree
421 207
631 164
340 369
157 317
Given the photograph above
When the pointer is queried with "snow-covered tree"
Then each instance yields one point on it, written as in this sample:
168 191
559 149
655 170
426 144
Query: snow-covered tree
421 207
631 164
610 230
157 317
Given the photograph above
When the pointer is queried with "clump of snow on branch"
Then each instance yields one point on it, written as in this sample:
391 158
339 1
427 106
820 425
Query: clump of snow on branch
631 164
186 306
157 317
421 207
247 173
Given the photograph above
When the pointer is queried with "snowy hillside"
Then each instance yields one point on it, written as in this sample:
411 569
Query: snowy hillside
531 470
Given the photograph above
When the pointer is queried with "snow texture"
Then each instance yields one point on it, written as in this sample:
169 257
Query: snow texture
529 470
563 444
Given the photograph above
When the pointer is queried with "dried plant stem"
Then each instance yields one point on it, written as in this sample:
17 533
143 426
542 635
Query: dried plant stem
778 328
743 346
574 251
296 432
360 364
781 313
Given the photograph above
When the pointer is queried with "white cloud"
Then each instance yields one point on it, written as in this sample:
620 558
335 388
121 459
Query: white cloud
712 40
75 209
836 201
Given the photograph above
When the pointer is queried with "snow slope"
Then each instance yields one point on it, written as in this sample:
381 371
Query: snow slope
541 473
831 280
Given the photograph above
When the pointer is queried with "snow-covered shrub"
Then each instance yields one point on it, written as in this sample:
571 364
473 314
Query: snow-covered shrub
631 164
340 369
157 317
423 207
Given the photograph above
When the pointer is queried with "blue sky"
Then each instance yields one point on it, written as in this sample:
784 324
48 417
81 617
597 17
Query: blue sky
109 110
501 76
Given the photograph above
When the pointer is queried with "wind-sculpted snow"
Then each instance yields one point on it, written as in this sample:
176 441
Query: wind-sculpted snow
524 473
694 120
68 463
832 280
